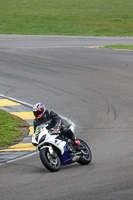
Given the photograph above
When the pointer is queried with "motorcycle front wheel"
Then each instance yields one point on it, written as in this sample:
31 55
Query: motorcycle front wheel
50 161
86 157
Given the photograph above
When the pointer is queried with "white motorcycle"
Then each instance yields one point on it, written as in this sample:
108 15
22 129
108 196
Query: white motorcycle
56 149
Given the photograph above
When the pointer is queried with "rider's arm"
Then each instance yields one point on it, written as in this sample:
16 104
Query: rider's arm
56 120
35 124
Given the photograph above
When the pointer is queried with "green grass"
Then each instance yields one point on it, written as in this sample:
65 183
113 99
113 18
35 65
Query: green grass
119 46
67 17
11 129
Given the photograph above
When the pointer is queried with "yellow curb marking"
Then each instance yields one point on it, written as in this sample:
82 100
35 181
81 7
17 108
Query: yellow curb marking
8 150
7 102
21 147
31 130
24 115
91 46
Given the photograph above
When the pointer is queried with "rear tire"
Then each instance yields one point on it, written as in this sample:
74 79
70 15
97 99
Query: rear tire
50 161
85 159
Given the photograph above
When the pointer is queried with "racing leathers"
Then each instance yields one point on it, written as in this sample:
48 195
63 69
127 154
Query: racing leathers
55 122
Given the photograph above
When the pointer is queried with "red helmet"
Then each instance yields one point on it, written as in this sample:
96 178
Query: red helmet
39 110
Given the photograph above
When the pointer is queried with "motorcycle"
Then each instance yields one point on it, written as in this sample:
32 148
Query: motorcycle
57 150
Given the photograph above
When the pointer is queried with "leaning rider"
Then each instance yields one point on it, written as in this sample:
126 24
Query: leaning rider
42 115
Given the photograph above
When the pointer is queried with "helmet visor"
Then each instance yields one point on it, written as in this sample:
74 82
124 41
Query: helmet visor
37 113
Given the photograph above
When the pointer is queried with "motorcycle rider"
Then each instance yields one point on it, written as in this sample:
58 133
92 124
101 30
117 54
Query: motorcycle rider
42 115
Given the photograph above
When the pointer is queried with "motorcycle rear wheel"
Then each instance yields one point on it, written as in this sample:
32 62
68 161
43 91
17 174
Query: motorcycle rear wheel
50 161
85 159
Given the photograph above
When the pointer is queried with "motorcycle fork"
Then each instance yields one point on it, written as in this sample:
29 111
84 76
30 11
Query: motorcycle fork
51 146
51 149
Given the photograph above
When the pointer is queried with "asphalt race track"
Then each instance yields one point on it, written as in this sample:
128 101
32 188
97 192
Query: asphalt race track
91 86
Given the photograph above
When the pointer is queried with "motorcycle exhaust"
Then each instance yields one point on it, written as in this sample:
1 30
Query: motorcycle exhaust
76 158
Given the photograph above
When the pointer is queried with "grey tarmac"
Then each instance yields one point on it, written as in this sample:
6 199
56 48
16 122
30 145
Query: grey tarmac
93 87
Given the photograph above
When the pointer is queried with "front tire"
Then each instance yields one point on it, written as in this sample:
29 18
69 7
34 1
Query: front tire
85 158
50 161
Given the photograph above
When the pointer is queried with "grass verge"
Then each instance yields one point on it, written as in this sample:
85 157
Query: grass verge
120 46
59 17
12 129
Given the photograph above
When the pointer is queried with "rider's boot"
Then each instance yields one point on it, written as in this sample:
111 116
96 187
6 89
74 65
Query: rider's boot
69 133
73 138
76 142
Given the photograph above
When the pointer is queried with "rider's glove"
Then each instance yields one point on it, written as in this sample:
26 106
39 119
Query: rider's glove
56 128
37 131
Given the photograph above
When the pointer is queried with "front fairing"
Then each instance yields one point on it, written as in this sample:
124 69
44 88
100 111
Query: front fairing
46 138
